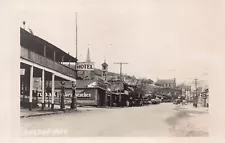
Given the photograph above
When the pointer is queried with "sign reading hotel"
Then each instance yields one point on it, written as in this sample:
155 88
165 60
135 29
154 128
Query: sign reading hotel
85 66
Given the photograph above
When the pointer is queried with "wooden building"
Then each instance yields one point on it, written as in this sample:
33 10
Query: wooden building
41 59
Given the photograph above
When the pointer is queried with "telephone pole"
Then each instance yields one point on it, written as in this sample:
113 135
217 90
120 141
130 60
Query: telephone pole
121 80
196 96
74 83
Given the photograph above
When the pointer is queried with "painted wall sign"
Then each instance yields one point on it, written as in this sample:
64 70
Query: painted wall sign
85 66
83 95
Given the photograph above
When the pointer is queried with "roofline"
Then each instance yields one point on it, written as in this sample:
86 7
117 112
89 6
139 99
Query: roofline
48 44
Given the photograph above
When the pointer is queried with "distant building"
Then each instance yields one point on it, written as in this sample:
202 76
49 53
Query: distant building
166 83
167 88
104 70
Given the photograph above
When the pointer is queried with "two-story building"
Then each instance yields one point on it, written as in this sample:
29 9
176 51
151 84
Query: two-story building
41 59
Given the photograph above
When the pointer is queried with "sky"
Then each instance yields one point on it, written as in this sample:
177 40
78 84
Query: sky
157 38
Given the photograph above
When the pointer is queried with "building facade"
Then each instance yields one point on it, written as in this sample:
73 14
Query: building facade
168 89
41 59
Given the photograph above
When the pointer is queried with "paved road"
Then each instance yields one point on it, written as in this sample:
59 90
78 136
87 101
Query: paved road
160 120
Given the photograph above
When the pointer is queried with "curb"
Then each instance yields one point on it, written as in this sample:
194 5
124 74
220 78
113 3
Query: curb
45 114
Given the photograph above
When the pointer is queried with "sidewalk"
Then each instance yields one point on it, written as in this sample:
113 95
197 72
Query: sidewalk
25 113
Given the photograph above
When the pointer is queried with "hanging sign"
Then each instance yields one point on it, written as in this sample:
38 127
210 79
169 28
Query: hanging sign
85 66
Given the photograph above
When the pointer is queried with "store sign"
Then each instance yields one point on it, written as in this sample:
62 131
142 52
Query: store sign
22 71
83 95
85 66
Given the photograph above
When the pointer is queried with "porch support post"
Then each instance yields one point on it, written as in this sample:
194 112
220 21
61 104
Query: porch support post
43 89
62 95
53 90
73 104
31 87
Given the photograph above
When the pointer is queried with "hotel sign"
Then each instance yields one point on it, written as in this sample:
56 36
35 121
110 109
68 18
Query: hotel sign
85 66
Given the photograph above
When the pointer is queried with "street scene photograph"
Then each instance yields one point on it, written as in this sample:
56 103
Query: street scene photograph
115 69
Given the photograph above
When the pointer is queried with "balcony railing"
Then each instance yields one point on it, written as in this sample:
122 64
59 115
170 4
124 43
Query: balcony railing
43 61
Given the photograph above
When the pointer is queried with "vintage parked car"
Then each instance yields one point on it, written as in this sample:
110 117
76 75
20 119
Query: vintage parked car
155 101
146 101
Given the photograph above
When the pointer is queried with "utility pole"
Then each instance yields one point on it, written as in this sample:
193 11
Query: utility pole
196 88
74 83
121 80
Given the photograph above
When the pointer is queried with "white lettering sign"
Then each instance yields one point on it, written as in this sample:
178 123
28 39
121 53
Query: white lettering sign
85 66
83 95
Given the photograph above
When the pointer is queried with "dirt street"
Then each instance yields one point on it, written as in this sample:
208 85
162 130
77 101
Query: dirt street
163 120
